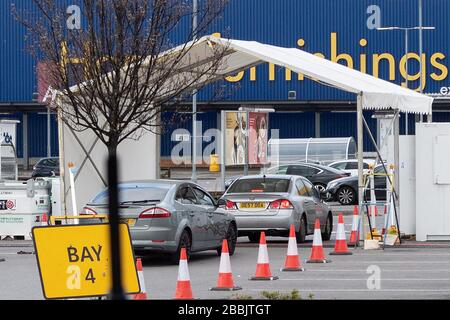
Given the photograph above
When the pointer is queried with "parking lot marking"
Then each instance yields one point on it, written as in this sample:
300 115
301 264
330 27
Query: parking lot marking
384 270
360 290
364 279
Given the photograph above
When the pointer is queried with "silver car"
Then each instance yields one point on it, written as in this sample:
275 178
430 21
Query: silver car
165 215
271 203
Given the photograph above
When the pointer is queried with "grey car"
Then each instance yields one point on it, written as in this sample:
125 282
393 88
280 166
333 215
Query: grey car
166 215
271 203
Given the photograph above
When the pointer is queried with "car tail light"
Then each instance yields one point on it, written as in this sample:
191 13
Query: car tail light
281 204
88 211
155 213
231 205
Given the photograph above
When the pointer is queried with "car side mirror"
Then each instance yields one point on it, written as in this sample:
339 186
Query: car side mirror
221 203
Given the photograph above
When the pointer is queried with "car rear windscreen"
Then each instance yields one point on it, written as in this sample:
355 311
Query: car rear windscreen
135 195
260 185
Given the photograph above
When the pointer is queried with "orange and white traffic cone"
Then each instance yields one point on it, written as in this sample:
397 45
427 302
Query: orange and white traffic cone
225 281
340 246
317 254
292 262
44 220
184 290
143 294
354 234
262 266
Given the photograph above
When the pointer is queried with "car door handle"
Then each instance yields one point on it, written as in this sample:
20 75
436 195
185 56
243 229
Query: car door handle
191 213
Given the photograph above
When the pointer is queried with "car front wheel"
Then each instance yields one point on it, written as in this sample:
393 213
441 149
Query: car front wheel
231 238
328 228
301 234
185 242
346 195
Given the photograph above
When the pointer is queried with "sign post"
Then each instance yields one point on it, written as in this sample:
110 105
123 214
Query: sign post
75 261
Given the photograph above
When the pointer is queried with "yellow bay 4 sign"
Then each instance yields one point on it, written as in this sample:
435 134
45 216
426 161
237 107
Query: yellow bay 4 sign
74 260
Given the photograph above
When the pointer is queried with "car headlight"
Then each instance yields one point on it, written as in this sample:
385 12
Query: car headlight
331 185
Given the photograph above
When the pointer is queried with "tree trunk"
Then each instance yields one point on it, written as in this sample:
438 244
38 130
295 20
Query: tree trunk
117 290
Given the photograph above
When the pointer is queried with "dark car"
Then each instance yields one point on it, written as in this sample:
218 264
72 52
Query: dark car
319 175
46 167
345 190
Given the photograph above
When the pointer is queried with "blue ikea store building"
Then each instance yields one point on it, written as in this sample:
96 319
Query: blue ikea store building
344 31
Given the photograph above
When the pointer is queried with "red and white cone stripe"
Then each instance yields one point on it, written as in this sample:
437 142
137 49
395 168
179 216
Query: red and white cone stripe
355 223
340 247
317 254
225 281
263 267
292 262
183 290
143 294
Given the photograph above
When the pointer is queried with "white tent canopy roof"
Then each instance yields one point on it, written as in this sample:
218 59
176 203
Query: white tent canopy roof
376 93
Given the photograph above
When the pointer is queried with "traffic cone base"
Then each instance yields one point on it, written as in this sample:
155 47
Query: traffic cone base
319 261
225 289
341 253
264 278
293 269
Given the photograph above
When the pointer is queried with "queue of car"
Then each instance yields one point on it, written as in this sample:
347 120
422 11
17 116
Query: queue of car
167 215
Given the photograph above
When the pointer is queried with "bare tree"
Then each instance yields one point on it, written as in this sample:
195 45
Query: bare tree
117 65
124 64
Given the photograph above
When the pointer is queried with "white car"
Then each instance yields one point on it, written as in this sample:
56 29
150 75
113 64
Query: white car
351 166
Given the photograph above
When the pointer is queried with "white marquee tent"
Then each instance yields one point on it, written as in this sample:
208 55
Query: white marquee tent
372 93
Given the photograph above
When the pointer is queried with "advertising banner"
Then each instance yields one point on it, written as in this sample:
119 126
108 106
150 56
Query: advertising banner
236 132
257 139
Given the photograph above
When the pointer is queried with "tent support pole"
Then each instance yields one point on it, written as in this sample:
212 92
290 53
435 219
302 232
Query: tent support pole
360 142
222 150
397 159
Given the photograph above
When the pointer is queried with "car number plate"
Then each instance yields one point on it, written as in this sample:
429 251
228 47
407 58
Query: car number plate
252 205
130 222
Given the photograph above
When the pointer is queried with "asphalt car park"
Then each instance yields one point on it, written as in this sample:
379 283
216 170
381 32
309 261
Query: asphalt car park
413 273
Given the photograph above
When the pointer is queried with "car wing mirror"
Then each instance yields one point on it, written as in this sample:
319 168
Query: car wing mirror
221 203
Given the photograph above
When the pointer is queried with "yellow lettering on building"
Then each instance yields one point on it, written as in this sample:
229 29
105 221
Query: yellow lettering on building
253 74
271 72
338 57
235 78
363 57
413 77
439 66
376 62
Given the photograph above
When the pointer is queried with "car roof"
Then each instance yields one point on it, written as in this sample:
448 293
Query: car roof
268 176
154 181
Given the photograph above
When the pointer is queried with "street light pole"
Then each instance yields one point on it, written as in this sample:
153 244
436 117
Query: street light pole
407 75
420 28
194 102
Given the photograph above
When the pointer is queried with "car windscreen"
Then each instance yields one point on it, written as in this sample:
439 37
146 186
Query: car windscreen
260 185
136 194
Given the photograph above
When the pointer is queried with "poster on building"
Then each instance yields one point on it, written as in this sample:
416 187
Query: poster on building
257 137
236 132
